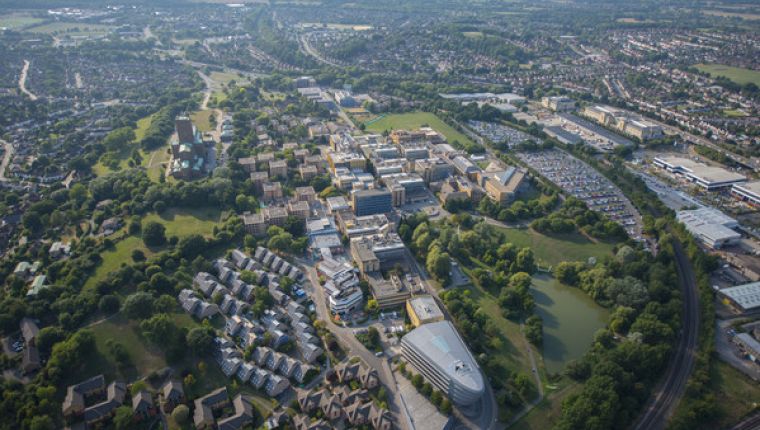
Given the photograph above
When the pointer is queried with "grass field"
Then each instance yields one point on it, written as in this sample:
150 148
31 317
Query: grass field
554 249
71 29
183 222
546 413
738 394
736 74
16 21
178 222
472 34
144 357
224 78
724 14
201 120
415 120
734 113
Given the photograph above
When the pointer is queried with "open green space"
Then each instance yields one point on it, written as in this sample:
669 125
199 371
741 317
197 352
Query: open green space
71 29
546 413
178 222
739 75
224 78
202 121
550 250
734 113
571 318
736 393
16 21
415 120
472 34
183 222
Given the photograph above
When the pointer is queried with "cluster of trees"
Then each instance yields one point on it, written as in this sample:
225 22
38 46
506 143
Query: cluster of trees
162 124
574 214
521 209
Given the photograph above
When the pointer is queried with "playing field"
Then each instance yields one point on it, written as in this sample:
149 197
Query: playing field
71 29
413 121
13 21
736 74
550 250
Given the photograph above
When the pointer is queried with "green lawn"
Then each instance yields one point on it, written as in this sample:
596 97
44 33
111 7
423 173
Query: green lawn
413 121
557 248
734 113
201 120
71 29
736 74
224 78
472 34
113 258
144 357
546 413
182 222
124 154
178 222
737 394
14 21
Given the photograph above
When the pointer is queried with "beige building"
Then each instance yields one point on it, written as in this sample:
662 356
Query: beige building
255 224
299 209
278 168
503 186
275 215
271 191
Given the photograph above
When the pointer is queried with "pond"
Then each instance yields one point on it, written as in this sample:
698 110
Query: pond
570 320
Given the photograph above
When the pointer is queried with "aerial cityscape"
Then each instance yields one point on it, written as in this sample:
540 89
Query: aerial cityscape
406 214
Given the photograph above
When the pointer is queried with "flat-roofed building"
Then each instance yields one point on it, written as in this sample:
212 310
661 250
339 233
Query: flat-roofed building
558 103
271 191
307 172
278 168
438 352
370 202
707 177
258 179
391 292
299 209
248 163
337 204
423 310
433 169
742 297
749 344
710 226
275 215
306 194
748 192
504 186
254 224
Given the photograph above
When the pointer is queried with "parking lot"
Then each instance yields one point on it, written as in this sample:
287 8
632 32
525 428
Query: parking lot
498 133
580 180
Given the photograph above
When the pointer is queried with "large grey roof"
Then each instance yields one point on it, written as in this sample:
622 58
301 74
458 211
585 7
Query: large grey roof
440 343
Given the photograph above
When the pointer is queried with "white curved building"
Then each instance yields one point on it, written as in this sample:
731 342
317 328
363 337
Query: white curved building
437 351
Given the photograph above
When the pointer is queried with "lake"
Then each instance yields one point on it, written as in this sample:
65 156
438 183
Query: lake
570 320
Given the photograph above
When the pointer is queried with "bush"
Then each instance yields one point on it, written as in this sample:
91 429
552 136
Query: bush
154 234
108 304
180 414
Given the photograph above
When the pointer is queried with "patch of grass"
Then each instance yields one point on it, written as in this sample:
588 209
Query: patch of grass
415 120
71 29
472 34
273 95
14 21
183 222
557 248
739 75
201 120
114 258
224 78
125 152
734 113
738 394
546 413
145 358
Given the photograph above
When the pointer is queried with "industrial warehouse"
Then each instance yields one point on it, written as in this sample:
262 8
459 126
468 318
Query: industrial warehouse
708 177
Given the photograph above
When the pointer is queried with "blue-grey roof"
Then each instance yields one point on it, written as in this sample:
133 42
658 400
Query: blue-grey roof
440 343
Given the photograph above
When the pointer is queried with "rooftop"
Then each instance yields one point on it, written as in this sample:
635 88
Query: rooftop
747 296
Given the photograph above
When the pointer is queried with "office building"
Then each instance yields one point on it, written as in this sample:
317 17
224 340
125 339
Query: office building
710 226
423 310
370 202
748 192
438 352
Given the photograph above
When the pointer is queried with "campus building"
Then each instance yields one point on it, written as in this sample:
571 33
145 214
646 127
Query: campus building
189 152
742 297
710 226
370 202
708 177
748 192
423 310
438 352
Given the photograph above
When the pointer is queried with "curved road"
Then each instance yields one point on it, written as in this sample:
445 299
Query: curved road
22 81
7 157
666 397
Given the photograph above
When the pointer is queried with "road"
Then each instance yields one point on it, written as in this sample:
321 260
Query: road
7 157
668 394
750 423
347 339
308 50
22 81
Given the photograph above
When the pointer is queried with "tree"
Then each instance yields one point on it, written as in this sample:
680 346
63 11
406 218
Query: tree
42 422
108 304
138 255
191 246
200 340
124 418
49 336
154 234
181 413
164 332
138 305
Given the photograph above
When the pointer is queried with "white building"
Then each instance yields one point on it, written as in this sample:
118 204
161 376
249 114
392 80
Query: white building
710 226
707 177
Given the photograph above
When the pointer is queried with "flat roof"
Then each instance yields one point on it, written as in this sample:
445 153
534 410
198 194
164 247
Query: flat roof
747 296
425 307
440 343
701 171
752 187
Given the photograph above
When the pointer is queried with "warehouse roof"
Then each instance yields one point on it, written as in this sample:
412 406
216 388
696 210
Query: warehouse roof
747 296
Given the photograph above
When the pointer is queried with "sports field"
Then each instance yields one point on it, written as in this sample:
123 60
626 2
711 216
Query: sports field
736 74
71 29
413 121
